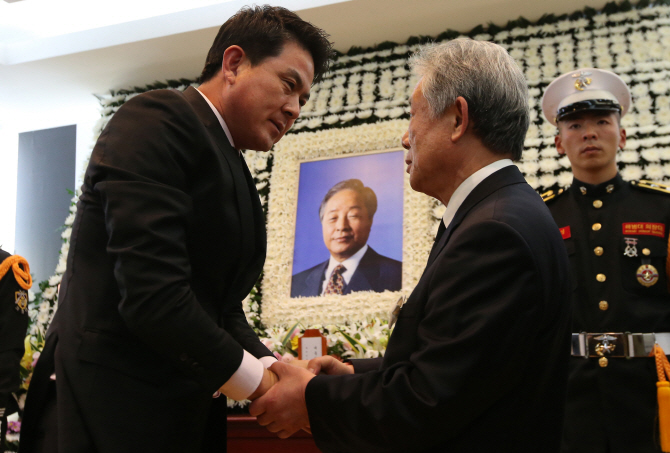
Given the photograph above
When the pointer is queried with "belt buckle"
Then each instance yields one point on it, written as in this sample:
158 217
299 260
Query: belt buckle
606 344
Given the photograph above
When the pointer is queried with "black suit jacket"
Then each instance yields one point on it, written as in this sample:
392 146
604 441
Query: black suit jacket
375 272
478 359
169 237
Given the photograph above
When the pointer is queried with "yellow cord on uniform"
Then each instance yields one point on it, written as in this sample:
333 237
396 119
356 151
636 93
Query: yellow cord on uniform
23 277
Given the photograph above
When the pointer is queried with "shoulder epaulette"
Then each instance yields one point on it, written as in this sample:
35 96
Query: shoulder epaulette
550 195
651 185
21 270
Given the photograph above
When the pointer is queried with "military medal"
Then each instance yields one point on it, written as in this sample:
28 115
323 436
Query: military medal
396 311
631 250
21 301
647 275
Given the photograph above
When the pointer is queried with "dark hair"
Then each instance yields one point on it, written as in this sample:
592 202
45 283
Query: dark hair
369 197
262 32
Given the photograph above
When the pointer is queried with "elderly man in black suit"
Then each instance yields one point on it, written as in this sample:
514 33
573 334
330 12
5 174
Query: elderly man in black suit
346 214
478 359
168 239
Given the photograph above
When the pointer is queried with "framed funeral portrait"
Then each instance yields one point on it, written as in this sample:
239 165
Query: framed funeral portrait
339 241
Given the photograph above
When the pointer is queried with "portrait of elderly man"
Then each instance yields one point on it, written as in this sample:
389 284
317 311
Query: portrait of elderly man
346 215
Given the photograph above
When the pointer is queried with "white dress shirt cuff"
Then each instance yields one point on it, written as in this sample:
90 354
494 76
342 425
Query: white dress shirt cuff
245 380
267 361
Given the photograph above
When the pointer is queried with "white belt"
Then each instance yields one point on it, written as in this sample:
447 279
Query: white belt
618 344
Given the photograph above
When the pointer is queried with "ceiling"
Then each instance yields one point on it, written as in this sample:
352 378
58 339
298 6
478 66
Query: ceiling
46 69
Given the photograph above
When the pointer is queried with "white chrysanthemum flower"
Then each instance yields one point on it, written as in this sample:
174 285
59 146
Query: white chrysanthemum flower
624 60
639 90
619 48
533 74
368 88
313 123
654 172
55 280
547 180
666 170
549 165
564 162
631 172
645 119
651 155
548 129
73 208
663 116
66 233
336 104
655 50
530 154
643 103
604 61
659 87
364 114
532 181
564 178
31 296
566 66
533 132
69 220
49 293
386 90
438 211
530 168
369 77
628 156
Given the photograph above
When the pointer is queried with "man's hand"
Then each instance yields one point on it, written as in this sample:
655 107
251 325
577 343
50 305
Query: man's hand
283 409
329 365
269 379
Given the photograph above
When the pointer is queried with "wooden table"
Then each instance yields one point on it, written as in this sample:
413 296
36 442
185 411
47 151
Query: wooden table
245 435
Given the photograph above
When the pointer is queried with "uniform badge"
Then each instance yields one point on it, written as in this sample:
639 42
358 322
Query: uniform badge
21 301
582 80
631 250
647 275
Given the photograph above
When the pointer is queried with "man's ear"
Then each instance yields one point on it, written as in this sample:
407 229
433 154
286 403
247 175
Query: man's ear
559 144
233 58
622 138
461 119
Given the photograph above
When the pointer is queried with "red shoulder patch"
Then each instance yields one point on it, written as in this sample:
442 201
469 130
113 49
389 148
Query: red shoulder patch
565 232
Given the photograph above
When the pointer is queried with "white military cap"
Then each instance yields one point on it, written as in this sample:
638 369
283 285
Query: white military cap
585 89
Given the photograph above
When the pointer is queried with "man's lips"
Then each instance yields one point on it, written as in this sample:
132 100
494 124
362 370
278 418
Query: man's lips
278 125
343 239
589 149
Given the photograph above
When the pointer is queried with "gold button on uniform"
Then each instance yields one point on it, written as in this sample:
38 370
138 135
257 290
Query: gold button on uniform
603 305
598 251
601 277
596 227
597 204
602 362
646 252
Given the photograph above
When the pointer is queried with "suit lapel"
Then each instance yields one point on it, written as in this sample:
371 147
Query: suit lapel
364 274
252 226
501 178
315 279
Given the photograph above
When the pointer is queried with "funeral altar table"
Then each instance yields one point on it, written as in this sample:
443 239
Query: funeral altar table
245 435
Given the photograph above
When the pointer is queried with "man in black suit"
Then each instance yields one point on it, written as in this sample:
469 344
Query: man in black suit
169 237
478 358
346 214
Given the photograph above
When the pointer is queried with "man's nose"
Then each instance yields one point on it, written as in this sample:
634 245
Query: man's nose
589 133
405 139
292 108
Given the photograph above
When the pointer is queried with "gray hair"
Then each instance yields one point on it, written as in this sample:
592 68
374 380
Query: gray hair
490 81
366 193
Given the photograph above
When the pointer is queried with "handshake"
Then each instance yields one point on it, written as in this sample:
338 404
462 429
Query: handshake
279 401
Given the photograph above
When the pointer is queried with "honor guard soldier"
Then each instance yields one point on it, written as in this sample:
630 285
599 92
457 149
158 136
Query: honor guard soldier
616 235
15 281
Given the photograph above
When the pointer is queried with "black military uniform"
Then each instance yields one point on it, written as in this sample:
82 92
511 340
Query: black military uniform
14 284
616 234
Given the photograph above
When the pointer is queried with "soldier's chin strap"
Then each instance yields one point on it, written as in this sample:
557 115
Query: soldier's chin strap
23 277
663 394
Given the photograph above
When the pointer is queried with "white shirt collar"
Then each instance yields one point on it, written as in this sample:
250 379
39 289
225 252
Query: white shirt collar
467 186
220 118
350 263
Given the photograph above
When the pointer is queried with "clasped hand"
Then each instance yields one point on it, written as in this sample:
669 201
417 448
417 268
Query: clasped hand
283 408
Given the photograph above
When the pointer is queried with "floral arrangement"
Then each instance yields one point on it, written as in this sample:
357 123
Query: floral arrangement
366 94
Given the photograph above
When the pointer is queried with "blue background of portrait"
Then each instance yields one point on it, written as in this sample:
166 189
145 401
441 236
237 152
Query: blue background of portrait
382 172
